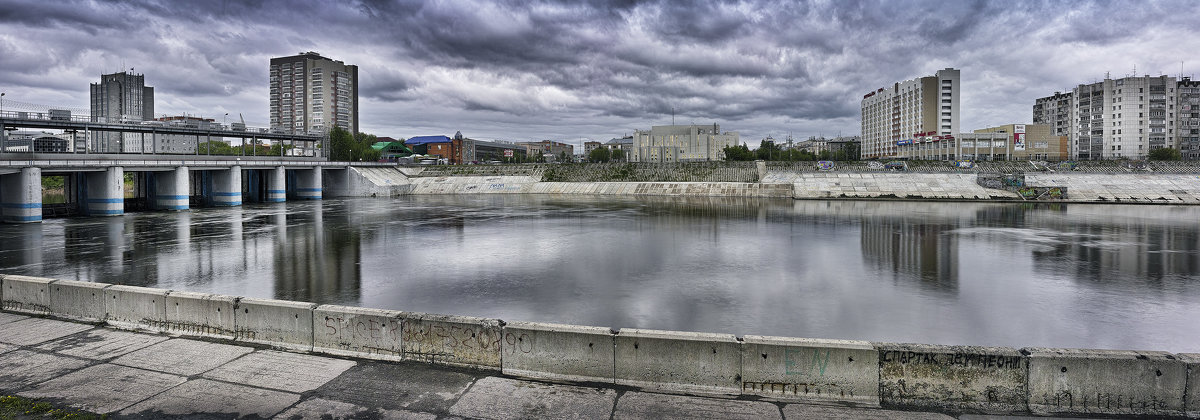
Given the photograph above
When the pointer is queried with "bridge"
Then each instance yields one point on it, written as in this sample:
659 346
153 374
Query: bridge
107 167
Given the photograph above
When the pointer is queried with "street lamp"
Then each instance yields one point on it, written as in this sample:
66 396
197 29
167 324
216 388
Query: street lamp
1 103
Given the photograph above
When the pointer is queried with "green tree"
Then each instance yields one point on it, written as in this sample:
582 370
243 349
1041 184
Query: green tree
599 154
564 157
768 150
618 155
215 148
739 153
1165 153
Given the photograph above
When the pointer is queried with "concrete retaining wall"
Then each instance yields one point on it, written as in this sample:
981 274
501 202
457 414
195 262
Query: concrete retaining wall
1070 381
955 379
558 352
810 369
679 361
986 379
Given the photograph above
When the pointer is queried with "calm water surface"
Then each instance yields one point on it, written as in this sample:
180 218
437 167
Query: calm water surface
1096 276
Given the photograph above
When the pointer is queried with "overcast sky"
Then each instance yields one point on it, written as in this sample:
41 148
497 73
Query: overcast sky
578 70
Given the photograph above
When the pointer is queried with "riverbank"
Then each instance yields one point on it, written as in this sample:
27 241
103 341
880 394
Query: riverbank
953 379
1101 182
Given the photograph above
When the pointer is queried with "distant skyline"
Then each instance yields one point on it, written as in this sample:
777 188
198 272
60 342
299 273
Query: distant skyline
578 71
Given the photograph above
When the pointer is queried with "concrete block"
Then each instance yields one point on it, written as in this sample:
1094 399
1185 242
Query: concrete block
78 300
278 323
452 340
26 294
952 378
1112 382
133 307
810 369
1191 399
679 361
357 332
200 314
558 352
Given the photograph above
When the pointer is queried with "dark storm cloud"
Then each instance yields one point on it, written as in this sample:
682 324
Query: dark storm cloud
596 69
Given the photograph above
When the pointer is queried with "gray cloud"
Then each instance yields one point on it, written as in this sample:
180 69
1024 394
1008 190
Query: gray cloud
595 69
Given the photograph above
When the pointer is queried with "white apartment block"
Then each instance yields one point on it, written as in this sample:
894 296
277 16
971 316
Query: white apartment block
893 116
1123 118
311 94
681 143
1189 119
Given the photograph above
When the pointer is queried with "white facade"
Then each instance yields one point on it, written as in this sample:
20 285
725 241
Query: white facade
1123 118
311 93
681 143
912 108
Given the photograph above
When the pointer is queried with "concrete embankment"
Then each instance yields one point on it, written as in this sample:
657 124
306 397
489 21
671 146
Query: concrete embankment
1147 188
953 379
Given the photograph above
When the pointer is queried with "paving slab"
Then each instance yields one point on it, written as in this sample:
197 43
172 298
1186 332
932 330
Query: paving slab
183 357
319 408
642 405
21 368
282 371
399 386
103 388
6 317
501 398
805 411
32 331
215 399
100 343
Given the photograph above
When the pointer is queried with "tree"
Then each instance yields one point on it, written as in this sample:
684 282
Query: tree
768 150
1165 153
346 147
738 153
618 155
599 154
564 157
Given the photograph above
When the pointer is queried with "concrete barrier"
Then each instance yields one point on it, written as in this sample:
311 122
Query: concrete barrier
200 314
810 369
79 300
278 323
1111 382
452 340
953 378
135 307
1191 398
357 332
26 294
679 361
558 352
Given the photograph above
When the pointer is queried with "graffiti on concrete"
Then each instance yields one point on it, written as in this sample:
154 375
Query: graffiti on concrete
964 164
825 165
875 165
799 361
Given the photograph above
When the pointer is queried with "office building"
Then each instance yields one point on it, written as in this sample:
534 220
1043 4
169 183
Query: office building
896 114
681 143
120 98
311 94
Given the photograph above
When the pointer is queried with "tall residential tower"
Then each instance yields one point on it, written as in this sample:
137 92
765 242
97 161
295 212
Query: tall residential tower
120 98
908 109
311 93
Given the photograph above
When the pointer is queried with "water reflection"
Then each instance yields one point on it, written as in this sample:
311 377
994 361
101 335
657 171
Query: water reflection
957 273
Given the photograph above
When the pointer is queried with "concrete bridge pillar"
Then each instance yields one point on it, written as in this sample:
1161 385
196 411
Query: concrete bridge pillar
277 185
104 193
227 187
336 182
171 189
308 184
21 196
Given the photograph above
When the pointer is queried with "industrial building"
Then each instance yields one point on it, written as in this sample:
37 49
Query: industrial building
681 143
311 94
923 105
547 148
461 150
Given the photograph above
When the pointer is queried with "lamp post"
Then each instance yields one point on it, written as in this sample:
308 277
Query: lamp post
1 103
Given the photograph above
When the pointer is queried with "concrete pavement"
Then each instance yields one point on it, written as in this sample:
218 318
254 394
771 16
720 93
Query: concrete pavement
140 375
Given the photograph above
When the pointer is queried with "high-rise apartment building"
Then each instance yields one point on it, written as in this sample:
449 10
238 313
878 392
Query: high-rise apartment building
311 93
120 98
893 116
1123 118
1189 119
1055 111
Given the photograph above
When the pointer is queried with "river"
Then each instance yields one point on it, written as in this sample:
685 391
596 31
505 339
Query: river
1050 275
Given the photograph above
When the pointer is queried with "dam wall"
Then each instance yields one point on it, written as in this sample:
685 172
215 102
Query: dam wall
955 379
